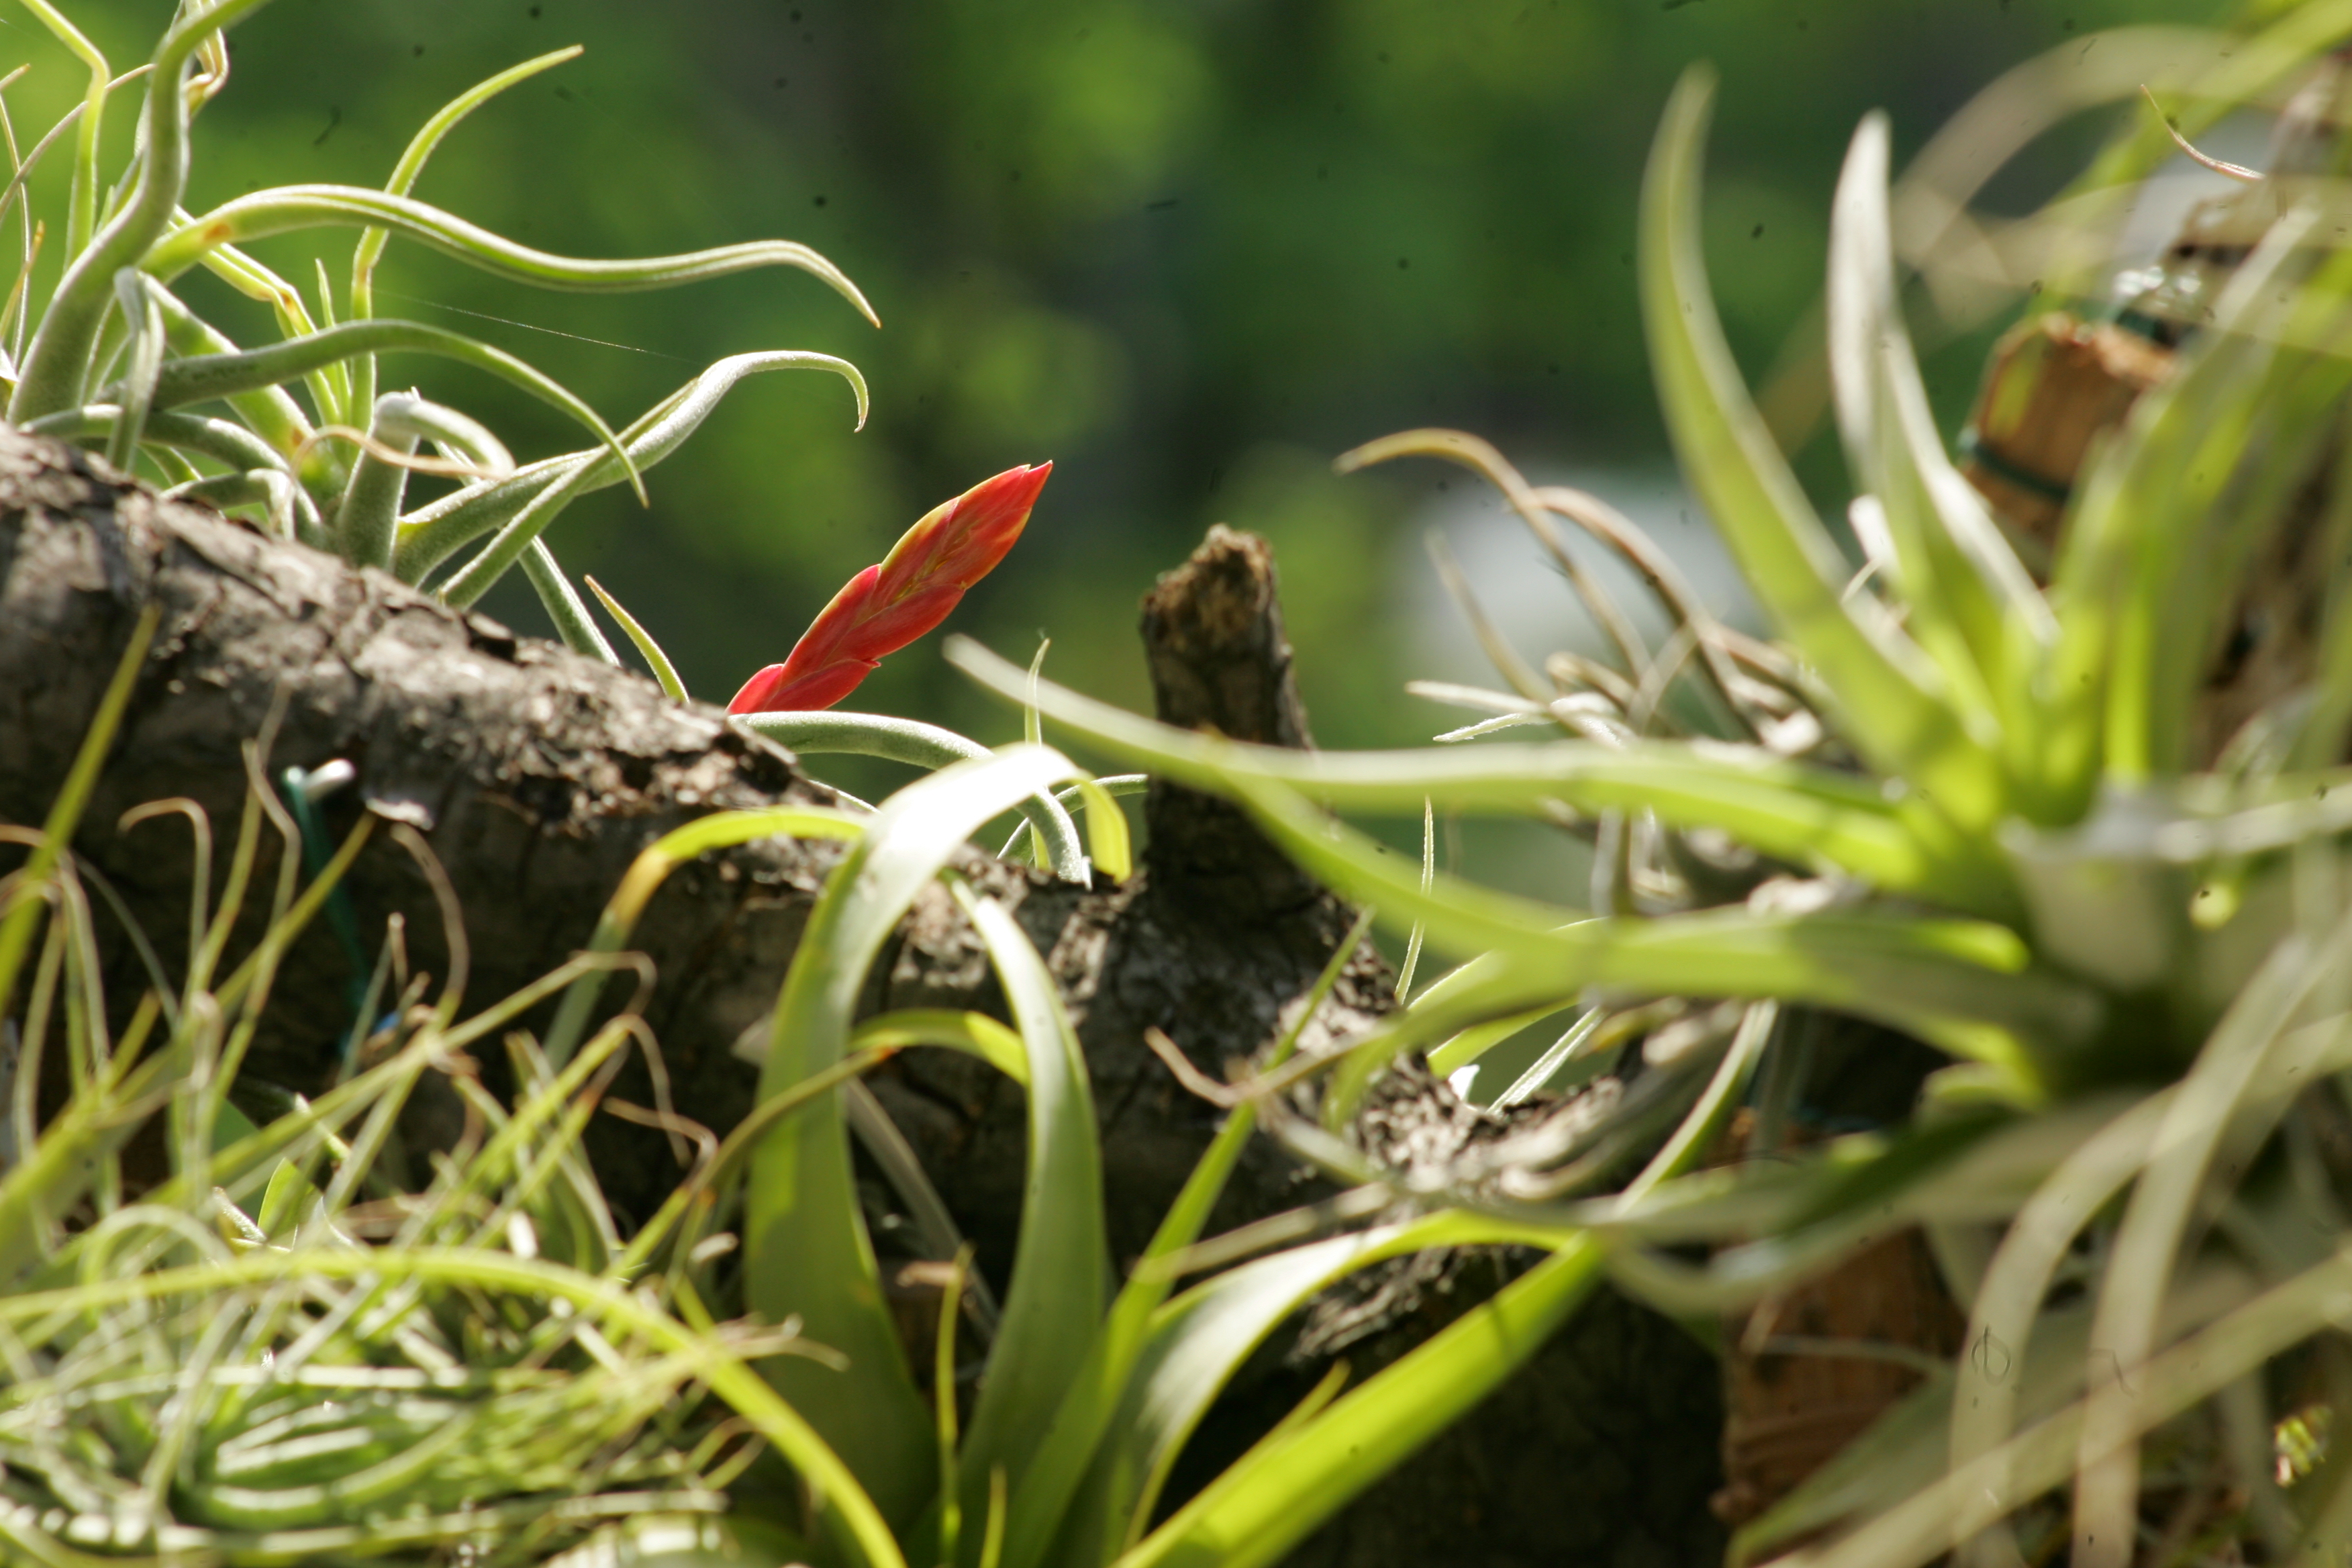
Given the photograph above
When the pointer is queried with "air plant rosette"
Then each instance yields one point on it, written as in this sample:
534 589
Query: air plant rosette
1962 804
115 359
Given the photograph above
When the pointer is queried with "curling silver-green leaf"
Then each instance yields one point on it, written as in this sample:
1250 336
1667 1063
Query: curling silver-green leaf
292 209
429 535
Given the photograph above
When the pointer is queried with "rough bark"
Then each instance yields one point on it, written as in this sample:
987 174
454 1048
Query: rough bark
536 777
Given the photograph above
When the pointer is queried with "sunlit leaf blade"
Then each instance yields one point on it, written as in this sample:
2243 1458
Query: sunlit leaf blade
650 650
291 208
432 533
1106 836
975 1034
561 601
1889 700
806 1253
910 741
1196 1343
1067 1454
1810 816
1062 1260
1970 987
81 219
720 830
1970 604
1107 841
1479 995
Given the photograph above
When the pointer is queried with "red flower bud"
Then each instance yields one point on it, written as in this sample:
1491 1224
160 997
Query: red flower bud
888 606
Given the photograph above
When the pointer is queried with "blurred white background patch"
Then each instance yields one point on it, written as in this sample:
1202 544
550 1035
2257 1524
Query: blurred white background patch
1522 589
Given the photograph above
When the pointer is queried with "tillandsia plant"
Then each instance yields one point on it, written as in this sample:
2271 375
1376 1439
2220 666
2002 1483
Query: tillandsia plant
305 1337
1983 809
114 359
285 1345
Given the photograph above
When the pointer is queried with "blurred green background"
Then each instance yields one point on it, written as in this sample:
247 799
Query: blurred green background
1188 250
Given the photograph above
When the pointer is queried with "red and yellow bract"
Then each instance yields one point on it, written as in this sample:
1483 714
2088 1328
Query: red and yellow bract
888 606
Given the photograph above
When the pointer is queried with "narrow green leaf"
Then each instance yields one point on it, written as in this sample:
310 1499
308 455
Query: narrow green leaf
1106 836
922 745
1978 1494
143 365
362 525
2217 1106
1481 996
404 178
1812 817
976 1034
650 650
270 411
1033 732
1283 1489
806 1253
1428 872
1114 787
561 600
720 830
849 1513
1892 706
1062 1260
1971 604
514 543
1065 1458
1467 1046
329 387
24 910
82 210
1969 986
2156 545
1195 1344
285 504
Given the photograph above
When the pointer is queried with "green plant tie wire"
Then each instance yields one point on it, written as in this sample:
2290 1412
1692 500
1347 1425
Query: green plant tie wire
294 787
